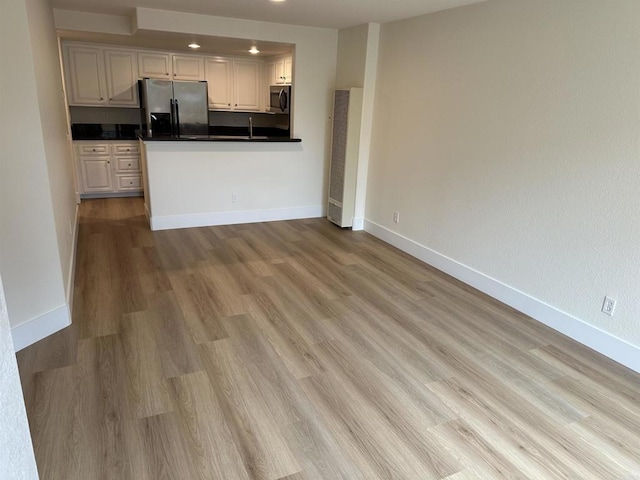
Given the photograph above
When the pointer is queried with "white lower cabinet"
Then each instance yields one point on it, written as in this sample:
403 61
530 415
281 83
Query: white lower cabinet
108 169
96 174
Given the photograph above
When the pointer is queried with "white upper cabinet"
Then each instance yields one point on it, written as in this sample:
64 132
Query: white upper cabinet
287 70
282 71
188 67
154 65
269 74
107 76
233 84
247 85
85 76
98 76
122 74
218 75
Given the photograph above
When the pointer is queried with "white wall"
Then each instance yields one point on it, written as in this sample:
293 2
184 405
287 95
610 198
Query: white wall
17 461
56 135
35 244
507 135
352 56
191 183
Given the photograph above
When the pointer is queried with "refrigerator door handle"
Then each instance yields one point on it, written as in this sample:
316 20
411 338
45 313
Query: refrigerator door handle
177 117
173 118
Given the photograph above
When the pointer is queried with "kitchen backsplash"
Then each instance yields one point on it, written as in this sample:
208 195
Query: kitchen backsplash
101 115
241 119
104 115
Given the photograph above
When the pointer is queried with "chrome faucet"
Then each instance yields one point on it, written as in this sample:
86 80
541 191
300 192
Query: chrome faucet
250 127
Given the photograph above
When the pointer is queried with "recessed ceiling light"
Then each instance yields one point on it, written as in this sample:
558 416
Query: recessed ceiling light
193 45
254 50
278 1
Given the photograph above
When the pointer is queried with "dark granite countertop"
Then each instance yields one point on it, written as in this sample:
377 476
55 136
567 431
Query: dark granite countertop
216 134
104 131
219 138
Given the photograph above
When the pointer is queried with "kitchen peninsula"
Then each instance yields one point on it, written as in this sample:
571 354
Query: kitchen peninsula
208 180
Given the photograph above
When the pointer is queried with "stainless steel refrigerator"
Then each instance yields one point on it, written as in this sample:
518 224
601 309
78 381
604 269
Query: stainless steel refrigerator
173 109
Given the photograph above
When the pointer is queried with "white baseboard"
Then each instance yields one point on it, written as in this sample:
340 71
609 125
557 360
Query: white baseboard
36 329
72 260
169 222
594 338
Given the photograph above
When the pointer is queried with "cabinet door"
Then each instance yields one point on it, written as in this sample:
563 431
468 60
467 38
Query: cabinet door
219 83
186 67
85 76
280 77
247 85
288 70
154 65
269 79
122 76
96 174
270 75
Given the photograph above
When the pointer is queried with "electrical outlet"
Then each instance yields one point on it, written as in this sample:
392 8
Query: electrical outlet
396 217
234 198
608 306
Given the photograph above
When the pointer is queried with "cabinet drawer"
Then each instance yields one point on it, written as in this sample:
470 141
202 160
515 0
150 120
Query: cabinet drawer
93 149
127 164
126 149
129 182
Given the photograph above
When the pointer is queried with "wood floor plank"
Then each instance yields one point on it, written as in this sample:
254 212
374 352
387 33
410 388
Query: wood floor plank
477 450
297 350
165 453
259 441
620 440
318 452
407 413
203 430
147 383
352 354
280 392
59 455
199 306
530 456
178 354
292 348
363 433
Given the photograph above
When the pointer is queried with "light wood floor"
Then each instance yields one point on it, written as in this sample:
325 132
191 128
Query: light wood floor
294 350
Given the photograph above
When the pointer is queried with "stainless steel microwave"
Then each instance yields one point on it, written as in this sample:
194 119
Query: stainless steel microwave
279 98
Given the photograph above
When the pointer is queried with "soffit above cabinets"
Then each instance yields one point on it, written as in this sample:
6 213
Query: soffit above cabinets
176 42
325 13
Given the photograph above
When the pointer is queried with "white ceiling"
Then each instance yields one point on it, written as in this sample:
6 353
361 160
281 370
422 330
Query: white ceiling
316 13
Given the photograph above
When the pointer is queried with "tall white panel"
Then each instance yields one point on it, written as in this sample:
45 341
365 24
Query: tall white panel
345 146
